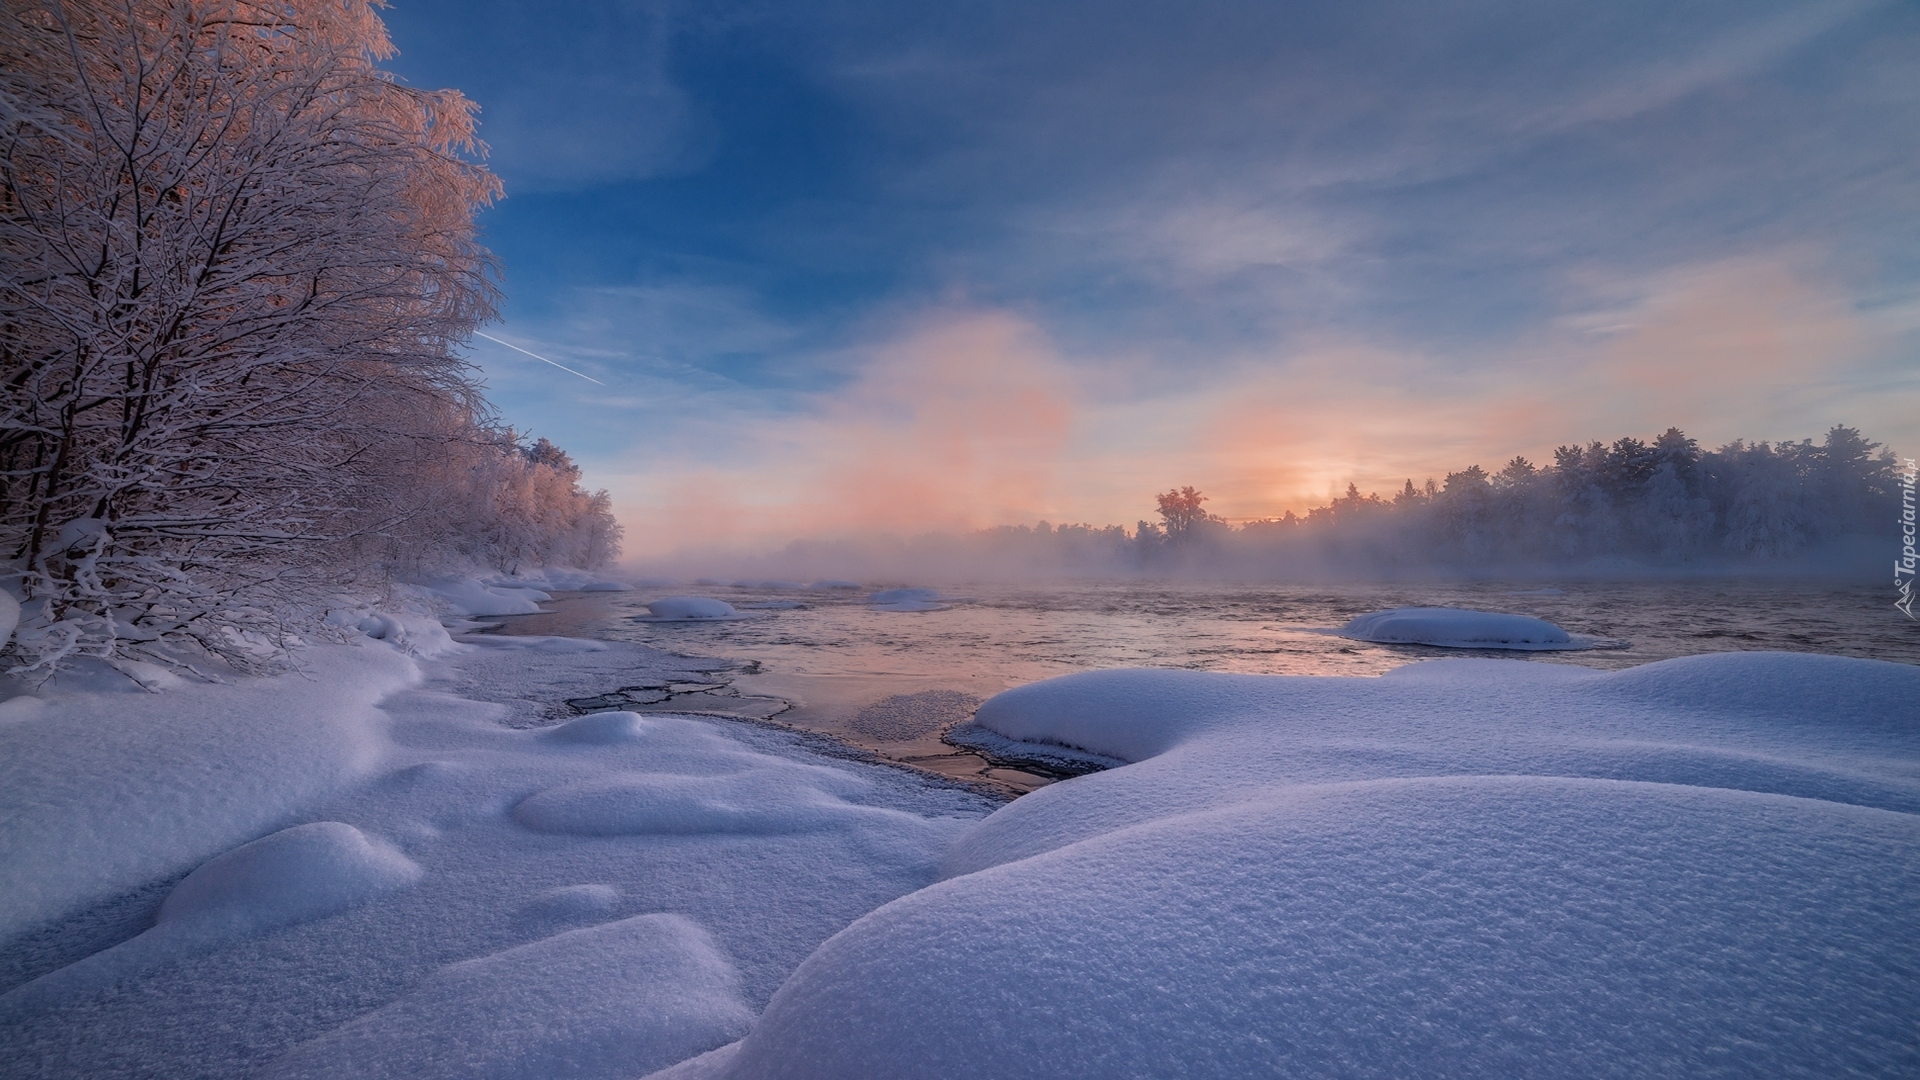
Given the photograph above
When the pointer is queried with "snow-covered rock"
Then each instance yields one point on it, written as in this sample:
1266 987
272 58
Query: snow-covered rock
690 609
1459 628
907 600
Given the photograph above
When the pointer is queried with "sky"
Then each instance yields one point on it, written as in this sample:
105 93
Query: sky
842 266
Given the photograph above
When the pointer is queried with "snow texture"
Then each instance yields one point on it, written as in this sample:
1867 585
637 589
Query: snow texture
613 1001
559 579
9 616
104 790
1467 867
291 876
690 609
1459 628
467 596
395 865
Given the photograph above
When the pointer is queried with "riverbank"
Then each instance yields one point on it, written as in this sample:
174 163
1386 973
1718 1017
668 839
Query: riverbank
363 867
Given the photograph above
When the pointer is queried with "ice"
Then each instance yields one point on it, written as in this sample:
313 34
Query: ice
1459 628
613 1000
690 609
1467 867
907 600
834 583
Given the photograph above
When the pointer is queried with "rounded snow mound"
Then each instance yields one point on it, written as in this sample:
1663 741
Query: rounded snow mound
605 1002
600 729
907 600
293 876
757 801
1460 628
1460 926
689 609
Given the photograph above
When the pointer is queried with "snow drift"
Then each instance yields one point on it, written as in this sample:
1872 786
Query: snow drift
1467 867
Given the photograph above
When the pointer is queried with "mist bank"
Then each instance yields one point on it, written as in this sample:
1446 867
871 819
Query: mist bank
1626 510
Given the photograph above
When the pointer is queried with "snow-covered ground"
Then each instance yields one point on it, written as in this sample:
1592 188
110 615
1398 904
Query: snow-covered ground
377 866
413 866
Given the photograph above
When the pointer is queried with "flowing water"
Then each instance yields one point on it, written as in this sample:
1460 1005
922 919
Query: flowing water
891 682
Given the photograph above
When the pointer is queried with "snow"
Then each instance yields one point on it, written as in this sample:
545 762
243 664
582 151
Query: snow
469 596
558 579
9 616
690 609
400 863
1459 628
1466 867
834 583
613 1000
105 789
295 875
394 864
907 600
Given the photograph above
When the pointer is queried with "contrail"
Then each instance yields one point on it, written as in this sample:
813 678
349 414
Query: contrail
538 357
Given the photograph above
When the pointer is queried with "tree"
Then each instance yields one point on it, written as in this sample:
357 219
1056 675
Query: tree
1180 510
236 258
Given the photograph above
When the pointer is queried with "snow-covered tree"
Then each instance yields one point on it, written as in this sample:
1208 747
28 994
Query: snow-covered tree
235 257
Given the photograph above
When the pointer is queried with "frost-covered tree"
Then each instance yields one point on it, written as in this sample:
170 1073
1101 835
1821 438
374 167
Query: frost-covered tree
234 258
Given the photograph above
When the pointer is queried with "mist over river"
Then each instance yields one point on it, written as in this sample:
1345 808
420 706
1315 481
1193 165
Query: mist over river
893 682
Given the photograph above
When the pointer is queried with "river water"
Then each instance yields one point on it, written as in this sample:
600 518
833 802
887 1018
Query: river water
891 682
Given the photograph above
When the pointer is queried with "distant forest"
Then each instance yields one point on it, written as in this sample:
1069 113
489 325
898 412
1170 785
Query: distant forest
1664 503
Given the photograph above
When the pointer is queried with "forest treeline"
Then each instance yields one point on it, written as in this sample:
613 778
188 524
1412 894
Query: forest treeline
1630 506
236 261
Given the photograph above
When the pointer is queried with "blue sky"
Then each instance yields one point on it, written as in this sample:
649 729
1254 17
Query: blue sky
877 266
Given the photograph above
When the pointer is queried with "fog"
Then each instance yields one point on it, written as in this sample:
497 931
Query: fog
1634 507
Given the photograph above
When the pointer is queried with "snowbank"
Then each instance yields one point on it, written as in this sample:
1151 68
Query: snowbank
690 609
471 597
1467 867
360 871
105 790
1459 628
